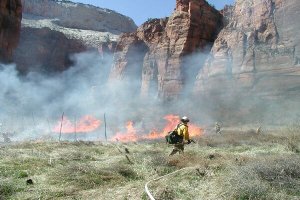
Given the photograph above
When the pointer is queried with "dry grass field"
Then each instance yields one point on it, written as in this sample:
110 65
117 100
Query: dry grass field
232 165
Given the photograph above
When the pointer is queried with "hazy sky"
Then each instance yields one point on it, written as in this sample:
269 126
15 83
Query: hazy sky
141 10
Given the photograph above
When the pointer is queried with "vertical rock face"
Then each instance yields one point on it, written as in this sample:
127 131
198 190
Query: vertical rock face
80 16
49 51
164 43
258 51
53 30
10 24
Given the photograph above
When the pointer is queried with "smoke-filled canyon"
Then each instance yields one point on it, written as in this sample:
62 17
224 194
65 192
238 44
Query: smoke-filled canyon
238 66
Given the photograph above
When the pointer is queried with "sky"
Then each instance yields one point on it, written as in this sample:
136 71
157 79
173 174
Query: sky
141 10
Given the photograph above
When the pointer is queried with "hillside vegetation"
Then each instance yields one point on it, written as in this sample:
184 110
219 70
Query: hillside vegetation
231 165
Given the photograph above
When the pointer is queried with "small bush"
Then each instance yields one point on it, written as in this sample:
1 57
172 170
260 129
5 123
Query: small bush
8 188
166 194
165 170
22 174
292 146
127 173
144 196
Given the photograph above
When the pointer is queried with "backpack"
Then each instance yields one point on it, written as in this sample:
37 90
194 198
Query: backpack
173 137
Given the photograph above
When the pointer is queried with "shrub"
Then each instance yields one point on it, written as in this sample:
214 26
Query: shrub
127 172
166 194
22 174
8 188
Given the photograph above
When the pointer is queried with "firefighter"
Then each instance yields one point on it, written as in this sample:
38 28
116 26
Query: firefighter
183 136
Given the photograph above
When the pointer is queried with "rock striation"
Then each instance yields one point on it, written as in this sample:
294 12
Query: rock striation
92 25
257 52
156 51
10 25
79 16
49 51
53 30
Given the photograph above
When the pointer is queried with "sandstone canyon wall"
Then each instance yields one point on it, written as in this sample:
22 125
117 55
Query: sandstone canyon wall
242 62
80 16
156 52
53 30
45 51
89 24
257 53
10 25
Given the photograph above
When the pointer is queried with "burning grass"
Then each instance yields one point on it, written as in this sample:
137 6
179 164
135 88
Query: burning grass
133 134
233 165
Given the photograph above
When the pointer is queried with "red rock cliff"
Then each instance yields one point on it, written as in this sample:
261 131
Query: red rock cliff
258 51
10 24
156 50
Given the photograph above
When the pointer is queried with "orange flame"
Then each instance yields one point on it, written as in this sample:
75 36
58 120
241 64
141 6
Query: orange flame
173 120
131 135
85 124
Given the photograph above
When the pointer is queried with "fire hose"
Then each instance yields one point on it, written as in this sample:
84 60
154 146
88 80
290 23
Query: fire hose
156 179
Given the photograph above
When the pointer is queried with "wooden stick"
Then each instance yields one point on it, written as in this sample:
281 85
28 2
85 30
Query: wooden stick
34 123
33 119
50 131
105 127
75 129
61 123
23 126
128 159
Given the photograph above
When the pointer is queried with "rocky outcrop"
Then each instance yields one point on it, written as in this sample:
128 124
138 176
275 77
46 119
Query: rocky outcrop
89 24
80 16
44 50
10 24
90 38
157 50
257 52
53 30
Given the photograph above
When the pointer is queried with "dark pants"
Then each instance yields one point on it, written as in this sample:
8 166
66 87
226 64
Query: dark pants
177 148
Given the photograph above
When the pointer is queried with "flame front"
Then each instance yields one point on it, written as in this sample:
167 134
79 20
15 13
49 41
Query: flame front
129 136
133 135
85 124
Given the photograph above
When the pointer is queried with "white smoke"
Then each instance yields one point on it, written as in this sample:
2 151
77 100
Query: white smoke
31 105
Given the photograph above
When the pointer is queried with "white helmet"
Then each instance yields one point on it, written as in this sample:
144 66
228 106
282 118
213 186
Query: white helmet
185 119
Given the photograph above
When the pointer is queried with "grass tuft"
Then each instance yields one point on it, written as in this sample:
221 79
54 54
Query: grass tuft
82 176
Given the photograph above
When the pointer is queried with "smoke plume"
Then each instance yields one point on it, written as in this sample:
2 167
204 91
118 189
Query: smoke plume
32 105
